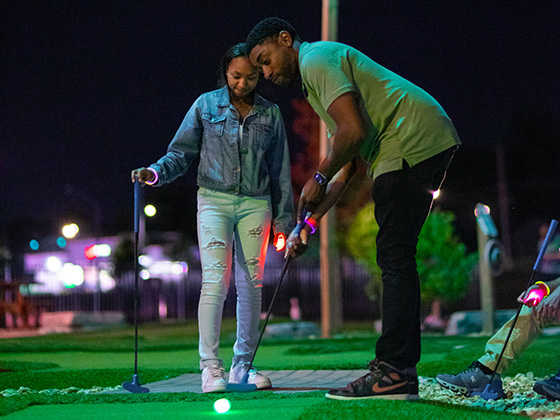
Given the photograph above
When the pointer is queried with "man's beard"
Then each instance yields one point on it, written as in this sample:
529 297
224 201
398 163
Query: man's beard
288 72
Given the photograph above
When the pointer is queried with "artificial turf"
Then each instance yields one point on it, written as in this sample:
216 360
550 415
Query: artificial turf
105 359
308 408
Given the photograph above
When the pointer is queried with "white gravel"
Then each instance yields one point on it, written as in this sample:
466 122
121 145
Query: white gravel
521 399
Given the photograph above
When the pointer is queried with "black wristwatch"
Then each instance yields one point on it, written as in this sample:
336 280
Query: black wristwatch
320 179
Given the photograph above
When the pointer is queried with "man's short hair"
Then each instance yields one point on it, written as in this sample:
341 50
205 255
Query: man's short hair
268 28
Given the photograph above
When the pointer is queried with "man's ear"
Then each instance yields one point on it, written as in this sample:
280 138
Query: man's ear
285 39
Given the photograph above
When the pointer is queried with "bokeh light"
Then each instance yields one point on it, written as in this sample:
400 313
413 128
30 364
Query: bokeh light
53 264
70 231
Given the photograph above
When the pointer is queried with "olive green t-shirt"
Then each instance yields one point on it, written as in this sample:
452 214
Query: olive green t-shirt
405 122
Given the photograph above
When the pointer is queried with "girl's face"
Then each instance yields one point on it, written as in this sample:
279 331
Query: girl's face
242 77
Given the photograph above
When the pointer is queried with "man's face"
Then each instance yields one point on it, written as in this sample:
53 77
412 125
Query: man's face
276 59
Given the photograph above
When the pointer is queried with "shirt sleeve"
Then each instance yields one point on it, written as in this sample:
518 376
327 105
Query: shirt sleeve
327 75
183 149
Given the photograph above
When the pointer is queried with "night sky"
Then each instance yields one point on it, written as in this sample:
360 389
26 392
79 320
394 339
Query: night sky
93 89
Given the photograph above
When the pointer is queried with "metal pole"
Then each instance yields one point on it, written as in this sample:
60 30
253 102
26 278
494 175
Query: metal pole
331 296
486 288
503 200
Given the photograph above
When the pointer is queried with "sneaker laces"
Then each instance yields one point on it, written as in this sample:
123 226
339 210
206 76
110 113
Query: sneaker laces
216 370
372 366
472 368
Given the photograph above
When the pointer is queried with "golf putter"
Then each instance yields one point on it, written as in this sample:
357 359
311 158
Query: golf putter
244 386
494 390
135 386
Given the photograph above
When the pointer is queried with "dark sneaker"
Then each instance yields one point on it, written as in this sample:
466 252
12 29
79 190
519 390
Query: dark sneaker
471 380
382 382
550 388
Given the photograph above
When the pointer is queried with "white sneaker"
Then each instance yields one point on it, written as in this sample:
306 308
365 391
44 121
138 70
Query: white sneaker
213 378
255 377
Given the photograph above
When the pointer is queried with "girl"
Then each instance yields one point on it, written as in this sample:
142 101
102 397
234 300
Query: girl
244 188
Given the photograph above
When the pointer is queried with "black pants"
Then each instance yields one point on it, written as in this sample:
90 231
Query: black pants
403 200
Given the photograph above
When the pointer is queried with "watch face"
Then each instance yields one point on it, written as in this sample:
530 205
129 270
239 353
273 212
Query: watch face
320 179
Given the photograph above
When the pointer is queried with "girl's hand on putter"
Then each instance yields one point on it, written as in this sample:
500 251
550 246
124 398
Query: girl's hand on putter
143 175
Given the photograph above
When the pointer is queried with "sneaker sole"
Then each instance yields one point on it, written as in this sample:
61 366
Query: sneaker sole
547 392
452 387
400 397
217 389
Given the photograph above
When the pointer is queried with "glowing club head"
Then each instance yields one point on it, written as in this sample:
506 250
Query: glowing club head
222 406
280 242
534 298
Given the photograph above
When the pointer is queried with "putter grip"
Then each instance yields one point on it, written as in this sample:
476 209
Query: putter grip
548 237
298 228
137 205
306 214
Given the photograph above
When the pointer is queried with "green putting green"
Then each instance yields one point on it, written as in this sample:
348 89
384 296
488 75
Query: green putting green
313 408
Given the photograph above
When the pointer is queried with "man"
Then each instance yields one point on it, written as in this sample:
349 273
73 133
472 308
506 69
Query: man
409 141
529 325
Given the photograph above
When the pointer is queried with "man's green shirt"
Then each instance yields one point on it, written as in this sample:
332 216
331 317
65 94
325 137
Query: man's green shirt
405 122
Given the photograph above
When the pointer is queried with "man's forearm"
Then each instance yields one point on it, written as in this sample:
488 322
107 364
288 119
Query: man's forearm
335 189
346 147
351 133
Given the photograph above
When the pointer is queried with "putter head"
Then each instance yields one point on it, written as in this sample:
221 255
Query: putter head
242 386
492 391
135 386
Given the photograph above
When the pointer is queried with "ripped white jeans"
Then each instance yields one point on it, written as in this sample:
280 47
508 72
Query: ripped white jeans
221 218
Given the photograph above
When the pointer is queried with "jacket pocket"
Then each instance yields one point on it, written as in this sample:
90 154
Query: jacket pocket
263 135
213 126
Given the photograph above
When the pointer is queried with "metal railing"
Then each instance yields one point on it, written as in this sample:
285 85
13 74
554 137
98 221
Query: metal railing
179 300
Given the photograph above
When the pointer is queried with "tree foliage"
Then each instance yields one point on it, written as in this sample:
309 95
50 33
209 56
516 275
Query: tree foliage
444 266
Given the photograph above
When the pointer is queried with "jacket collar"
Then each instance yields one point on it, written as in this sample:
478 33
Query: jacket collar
223 101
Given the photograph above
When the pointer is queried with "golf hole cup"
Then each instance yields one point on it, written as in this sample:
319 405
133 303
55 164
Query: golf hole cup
222 406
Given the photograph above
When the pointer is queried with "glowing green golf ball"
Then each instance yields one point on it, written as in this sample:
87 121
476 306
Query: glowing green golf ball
222 406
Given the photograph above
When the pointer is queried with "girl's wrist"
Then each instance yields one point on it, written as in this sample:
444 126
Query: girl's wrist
156 177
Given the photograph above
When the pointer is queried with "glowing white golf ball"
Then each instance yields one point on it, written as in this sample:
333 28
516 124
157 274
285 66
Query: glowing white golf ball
222 406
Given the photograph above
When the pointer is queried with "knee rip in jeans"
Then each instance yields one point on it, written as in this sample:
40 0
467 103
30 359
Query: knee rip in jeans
205 228
252 262
215 244
218 266
255 280
256 232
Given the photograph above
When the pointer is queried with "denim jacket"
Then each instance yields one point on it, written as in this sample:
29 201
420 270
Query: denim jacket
254 165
